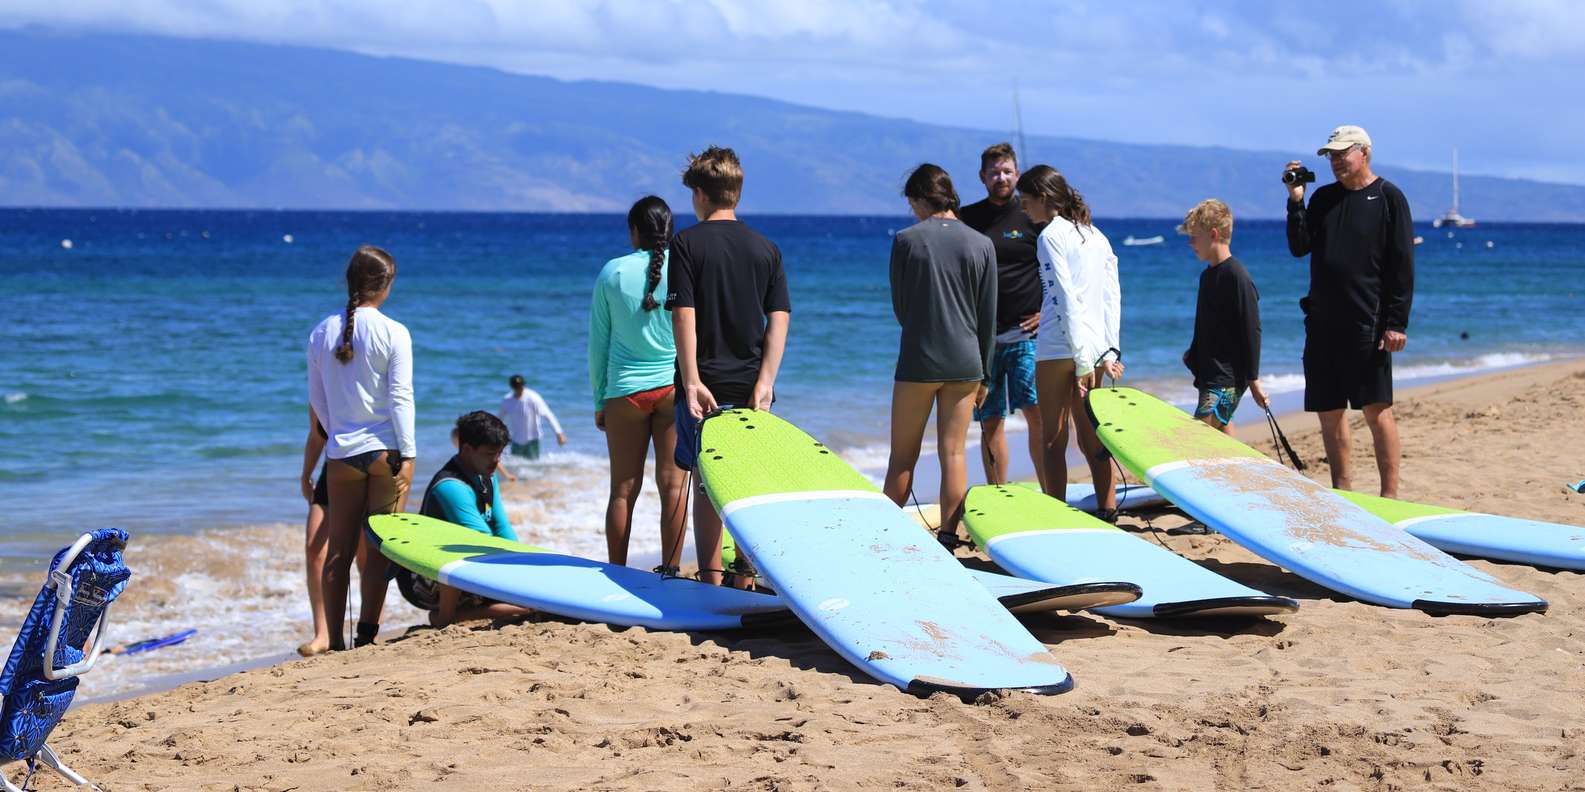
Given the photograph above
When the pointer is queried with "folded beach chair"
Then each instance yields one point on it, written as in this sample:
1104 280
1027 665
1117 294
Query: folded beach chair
52 649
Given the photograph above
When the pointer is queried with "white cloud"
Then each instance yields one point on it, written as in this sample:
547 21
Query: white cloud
1129 71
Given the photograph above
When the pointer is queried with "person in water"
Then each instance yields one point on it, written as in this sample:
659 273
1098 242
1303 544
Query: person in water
1224 355
1079 335
631 362
360 385
467 492
727 293
522 409
943 277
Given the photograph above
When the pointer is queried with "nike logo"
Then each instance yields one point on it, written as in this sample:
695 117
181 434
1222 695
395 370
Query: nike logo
1371 197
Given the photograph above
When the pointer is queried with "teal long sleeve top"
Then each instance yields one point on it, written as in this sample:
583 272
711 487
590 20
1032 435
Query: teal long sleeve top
630 349
462 507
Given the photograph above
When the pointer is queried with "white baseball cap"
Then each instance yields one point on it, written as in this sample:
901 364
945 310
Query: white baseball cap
1344 137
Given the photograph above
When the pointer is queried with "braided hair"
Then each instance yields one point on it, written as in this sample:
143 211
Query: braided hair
369 272
650 222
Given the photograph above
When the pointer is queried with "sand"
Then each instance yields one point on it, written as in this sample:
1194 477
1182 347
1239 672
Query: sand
1341 695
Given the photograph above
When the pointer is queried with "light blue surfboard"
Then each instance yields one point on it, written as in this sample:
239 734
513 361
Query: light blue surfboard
577 588
1483 535
1289 519
1130 497
1038 537
858 571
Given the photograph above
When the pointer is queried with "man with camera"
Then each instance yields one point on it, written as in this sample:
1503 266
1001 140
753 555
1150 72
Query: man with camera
1360 239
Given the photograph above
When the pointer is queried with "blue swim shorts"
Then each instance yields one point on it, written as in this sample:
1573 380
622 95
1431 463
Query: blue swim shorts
1012 384
1219 403
687 454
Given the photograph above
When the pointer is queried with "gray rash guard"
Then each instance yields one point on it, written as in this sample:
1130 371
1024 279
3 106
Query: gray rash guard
943 277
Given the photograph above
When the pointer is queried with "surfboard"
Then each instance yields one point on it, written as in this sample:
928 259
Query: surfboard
1288 519
577 588
1483 535
1130 497
857 571
1069 597
1041 538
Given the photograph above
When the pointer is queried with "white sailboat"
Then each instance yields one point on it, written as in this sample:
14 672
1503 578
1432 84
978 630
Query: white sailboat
1452 219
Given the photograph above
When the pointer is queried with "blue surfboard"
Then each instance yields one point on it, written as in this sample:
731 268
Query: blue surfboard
1483 535
1038 537
857 570
1289 519
577 588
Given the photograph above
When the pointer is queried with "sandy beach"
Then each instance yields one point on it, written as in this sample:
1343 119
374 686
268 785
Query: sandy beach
1341 695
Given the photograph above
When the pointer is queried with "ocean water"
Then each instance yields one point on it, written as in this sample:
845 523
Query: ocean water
152 370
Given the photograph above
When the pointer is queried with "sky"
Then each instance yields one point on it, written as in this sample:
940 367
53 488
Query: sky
1500 81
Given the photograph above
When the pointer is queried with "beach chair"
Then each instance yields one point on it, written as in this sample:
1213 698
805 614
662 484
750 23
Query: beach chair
52 650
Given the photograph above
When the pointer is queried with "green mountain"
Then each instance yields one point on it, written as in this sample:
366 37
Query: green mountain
113 120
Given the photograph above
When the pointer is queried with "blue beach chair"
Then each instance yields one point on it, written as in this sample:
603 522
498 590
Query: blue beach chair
52 649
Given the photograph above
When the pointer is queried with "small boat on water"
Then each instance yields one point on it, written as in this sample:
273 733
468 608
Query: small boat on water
1452 219
1133 241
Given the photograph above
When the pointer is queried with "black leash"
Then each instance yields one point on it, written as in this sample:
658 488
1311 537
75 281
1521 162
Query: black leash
1281 440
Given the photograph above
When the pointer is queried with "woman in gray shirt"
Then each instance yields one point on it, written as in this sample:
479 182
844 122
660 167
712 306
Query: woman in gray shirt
943 277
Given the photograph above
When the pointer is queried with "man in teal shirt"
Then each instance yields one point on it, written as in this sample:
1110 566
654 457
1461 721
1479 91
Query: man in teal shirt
467 492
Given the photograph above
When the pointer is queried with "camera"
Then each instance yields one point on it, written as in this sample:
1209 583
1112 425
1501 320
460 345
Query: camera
1299 175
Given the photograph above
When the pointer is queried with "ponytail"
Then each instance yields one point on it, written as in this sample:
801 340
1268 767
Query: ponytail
1047 185
650 222
369 272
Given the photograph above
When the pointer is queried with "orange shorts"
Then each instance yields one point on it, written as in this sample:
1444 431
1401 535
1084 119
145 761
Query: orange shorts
647 401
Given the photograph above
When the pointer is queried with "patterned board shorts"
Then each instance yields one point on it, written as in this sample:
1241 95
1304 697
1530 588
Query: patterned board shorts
1012 386
1219 403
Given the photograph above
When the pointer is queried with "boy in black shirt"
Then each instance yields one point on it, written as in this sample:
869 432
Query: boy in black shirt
728 298
1225 353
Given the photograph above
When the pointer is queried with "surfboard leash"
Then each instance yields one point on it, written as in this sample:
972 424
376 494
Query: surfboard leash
1280 440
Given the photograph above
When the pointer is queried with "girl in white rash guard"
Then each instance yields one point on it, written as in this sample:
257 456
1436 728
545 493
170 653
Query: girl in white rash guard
360 383
1079 318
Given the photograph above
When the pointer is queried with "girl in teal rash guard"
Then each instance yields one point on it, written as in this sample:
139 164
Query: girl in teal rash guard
631 363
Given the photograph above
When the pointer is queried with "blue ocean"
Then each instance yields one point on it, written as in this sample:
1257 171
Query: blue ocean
152 369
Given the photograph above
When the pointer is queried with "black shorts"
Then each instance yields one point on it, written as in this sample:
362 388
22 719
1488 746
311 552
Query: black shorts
322 487
1344 369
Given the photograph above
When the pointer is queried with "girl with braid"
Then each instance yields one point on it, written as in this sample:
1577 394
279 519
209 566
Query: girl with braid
360 384
631 362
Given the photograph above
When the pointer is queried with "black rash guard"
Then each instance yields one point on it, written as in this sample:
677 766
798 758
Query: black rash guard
1361 247
1017 271
1225 352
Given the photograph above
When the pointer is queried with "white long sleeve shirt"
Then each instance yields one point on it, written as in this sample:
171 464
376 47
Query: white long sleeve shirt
522 416
365 404
1081 303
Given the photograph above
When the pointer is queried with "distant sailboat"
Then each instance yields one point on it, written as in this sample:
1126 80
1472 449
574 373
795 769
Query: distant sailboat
1452 219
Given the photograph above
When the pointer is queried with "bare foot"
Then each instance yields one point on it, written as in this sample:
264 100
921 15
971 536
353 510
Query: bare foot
317 646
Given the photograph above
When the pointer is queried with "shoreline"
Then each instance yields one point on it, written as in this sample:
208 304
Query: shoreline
1287 411
1338 695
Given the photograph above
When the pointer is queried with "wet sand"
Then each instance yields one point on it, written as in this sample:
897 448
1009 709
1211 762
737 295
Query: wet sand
1341 695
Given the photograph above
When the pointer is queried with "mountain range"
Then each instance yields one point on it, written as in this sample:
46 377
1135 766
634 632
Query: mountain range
148 121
